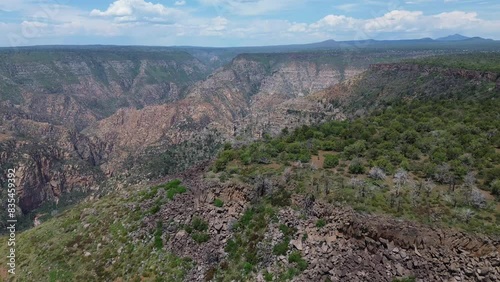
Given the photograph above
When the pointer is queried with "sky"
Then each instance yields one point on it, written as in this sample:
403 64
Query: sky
222 23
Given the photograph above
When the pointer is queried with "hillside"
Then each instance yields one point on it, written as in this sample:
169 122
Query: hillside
390 175
380 85
200 229
253 95
76 87
235 100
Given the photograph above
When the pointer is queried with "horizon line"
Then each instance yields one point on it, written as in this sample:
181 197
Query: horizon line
434 40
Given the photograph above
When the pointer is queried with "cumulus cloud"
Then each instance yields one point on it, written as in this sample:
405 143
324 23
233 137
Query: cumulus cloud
456 19
397 20
128 8
148 22
335 21
400 23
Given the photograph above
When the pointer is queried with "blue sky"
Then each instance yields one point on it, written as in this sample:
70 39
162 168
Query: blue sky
239 22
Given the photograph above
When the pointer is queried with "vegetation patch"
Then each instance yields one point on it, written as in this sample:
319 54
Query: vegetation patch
435 161
198 230
96 241
171 188
218 203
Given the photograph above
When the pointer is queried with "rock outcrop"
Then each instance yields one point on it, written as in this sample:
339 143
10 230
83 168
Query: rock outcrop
50 161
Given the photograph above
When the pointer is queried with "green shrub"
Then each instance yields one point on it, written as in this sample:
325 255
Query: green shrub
158 243
287 231
198 229
320 223
155 209
247 217
495 187
224 158
174 191
331 161
296 257
172 184
280 198
247 267
356 167
268 276
172 188
218 203
200 237
280 249
199 224
210 274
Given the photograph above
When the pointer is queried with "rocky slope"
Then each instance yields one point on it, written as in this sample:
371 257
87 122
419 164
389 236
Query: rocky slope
235 100
141 104
51 162
77 87
252 231
48 96
113 233
377 87
350 246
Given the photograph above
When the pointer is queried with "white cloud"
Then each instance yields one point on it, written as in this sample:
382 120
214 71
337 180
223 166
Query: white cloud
127 8
150 23
456 19
219 23
180 3
397 20
215 26
334 21
298 27
399 24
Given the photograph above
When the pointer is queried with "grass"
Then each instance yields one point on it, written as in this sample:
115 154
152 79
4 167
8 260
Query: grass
55 250
320 223
218 203
171 188
296 257
158 243
198 230
242 251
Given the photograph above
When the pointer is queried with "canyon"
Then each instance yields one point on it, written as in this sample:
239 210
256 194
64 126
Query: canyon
114 151
99 110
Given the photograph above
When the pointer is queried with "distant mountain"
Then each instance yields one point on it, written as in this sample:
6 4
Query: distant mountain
454 37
